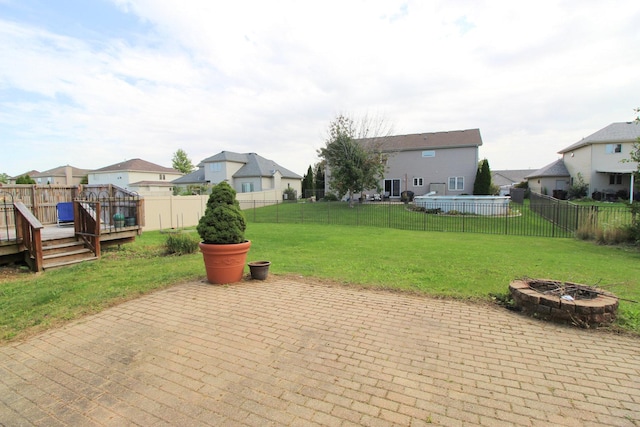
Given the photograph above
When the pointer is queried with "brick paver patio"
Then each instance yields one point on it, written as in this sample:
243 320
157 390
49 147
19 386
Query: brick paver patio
289 352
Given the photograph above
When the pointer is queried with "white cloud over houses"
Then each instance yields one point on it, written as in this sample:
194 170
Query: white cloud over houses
142 78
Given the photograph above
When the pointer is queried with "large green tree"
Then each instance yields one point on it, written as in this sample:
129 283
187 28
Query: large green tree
307 183
482 184
181 161
352 153
4 178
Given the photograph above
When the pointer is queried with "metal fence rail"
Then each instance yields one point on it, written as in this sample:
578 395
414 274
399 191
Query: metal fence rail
543 220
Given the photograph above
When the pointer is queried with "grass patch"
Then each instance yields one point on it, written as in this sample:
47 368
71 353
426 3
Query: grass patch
470 266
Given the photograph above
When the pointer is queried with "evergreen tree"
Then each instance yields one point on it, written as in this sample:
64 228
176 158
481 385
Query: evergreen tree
482 184
319 178
307 183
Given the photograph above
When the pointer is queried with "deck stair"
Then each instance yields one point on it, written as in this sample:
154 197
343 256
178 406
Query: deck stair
63 252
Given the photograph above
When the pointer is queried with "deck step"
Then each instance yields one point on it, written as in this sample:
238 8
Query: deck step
55 265
64 252
67 254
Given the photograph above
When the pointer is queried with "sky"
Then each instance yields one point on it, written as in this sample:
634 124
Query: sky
90 83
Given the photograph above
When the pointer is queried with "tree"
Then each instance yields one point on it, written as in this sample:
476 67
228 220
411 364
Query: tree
25 179
634 156
307 183
4 178
318 182
353 155
482 184
182 162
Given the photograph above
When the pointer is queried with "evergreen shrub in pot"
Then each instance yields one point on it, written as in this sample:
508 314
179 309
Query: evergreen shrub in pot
221 228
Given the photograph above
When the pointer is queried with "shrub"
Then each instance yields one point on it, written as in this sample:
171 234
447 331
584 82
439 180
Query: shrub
330 197
290 194
579 189
181 243
223 221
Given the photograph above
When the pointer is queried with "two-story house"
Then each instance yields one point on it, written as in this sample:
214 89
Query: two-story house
137 175
245 172
443 162
602 159
62 175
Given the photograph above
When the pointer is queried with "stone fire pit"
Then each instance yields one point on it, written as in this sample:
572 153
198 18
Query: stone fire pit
564 302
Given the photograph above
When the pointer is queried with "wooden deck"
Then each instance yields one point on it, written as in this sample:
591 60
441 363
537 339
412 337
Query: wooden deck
53 232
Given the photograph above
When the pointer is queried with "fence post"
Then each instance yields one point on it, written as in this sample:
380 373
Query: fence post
506 219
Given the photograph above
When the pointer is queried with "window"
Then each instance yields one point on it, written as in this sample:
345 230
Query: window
215 167
162 177
615 179
456 183
429 153
247 187
418 182
613 148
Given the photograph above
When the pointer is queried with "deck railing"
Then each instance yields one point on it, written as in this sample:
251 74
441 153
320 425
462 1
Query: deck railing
8 230
28 232
87 224
112 201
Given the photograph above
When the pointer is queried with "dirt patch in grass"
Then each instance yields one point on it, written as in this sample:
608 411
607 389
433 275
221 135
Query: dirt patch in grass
13 271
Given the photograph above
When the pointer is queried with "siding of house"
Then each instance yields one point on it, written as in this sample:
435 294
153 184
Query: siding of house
444 163
226 171
590 159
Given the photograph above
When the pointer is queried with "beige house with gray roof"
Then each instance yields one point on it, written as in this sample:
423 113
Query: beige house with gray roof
141 176
601 159
245 172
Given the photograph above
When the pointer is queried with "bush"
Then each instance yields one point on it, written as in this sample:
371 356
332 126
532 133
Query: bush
181 243
330 197
223 221
290 194
579 189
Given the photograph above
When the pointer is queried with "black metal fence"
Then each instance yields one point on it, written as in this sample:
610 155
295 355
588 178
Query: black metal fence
537 218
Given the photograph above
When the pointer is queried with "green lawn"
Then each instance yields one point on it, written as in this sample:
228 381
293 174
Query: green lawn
442 264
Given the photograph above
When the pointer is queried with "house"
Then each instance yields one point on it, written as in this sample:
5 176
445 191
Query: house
62 175
245 172
505 179
137 175
444 162
12 180
601 159
551 177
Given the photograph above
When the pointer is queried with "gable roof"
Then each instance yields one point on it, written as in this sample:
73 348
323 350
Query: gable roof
509 177
62 171
137 165
254 165
191 178
615 132
556 168
429 140
30 173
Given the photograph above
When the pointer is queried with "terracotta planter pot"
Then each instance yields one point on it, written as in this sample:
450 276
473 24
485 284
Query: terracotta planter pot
224 263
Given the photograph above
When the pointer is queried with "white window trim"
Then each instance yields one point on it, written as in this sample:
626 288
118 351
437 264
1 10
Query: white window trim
458 183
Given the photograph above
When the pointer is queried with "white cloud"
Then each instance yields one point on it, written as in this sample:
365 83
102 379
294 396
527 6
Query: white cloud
268 77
